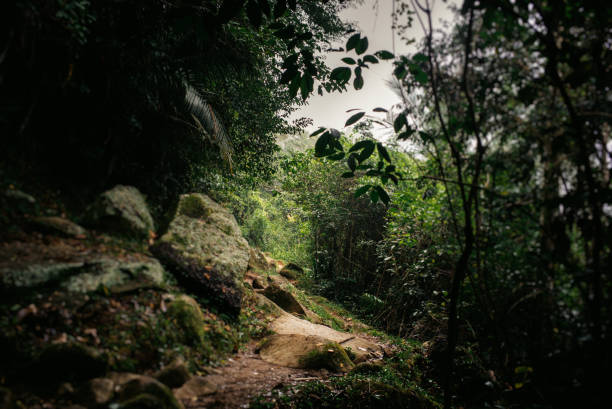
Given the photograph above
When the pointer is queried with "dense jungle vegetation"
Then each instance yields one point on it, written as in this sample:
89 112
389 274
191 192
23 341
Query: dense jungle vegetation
481 223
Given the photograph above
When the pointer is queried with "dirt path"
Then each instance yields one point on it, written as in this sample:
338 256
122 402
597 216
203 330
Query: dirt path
245 376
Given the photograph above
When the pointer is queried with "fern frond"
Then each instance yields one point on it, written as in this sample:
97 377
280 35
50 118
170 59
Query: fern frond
208 121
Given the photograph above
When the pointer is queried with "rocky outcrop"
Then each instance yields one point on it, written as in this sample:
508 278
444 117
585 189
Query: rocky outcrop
205 250
121 210
144 391
187 314
81 275
194 388
284 299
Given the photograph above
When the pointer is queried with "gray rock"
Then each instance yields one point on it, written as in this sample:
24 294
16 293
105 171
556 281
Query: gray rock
121 210
205 250
258 261
58 225
80 276
283 299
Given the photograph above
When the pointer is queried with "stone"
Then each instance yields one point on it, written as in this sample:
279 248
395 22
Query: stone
70 362
258 261
146 392
195 387
97 392
174 375
205 250
58 226
186 312
291 271
81 276
121 210
283 299
304 351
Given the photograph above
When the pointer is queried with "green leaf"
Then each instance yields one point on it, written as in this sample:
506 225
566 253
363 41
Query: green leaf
372 172
318 131
352 162
336 156
382 194
360 145
400 72
295 85
374 195
292 4
349 60
380 110
358 82
366 152
420 57
352 41
348 175
362 190
382 151
384 55
354 118
390 168
400 122
406 134
371 59
341 74
322 145
421 76
361 46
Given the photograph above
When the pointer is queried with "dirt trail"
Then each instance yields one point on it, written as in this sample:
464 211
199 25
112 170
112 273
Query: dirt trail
245 376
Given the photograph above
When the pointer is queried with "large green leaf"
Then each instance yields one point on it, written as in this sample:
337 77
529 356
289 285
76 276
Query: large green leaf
352 41
341 74
361 46
354 118
362 190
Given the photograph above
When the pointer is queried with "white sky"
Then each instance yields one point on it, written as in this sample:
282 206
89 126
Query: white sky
373 18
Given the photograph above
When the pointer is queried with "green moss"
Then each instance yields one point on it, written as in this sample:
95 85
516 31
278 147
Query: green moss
331 356
189 318
194 206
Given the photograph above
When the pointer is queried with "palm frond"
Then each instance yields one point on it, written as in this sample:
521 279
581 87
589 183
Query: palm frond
208 121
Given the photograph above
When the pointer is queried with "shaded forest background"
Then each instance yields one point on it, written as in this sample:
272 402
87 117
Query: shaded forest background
488 234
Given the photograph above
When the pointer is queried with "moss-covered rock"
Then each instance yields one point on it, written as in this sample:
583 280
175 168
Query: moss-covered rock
284 299
368 368
121 210
187 314
291 271
205 250
81 276
304 351
69 361
146 392
96 392
174 375
258 261
330 356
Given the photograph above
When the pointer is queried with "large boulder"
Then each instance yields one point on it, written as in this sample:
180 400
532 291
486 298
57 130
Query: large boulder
205 250
284 299
121 210
80 275
305 351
